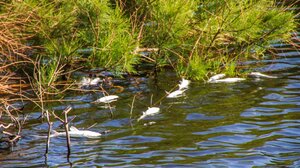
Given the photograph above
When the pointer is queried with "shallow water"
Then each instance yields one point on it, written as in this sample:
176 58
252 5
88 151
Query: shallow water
245 124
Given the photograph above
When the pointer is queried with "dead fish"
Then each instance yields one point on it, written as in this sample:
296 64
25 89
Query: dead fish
175 94
95 81
74 132
216 77
107 99
150 123
89 82
184 84
258 75
150 112
228 80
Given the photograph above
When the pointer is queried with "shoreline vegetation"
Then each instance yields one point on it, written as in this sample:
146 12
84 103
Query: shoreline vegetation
43 42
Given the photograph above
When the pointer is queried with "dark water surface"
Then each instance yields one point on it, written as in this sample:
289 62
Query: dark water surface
245 124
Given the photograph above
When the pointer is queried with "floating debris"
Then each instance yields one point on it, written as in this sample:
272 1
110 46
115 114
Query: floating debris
228 80
107 99
216 77
150 112
176 94
184 84
258 75
74 132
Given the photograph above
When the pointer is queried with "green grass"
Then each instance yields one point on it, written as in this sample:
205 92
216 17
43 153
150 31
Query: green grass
196 37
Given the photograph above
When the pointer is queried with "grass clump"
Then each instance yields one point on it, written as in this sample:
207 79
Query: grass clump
226 31
195 37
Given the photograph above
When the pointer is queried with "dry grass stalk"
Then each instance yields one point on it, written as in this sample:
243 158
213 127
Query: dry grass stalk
11 131
12 37
65 122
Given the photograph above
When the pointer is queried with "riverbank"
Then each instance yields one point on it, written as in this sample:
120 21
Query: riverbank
44 43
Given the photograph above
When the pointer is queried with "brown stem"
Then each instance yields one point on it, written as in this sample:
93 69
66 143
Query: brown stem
68 109
66 125
49 132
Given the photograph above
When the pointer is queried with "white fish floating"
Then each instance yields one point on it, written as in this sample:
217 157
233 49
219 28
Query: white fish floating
95 81
85 81
216 77
184 84
228 80
74 132
107 99
150 112
258 75
176 94
89 82
150 123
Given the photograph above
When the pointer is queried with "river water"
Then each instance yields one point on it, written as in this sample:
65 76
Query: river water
250 123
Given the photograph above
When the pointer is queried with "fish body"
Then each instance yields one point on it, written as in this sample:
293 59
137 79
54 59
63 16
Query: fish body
74 132
216 77
95 81
175 94
89 82
184 84
85 81
228 80
258 75
107 99
151 111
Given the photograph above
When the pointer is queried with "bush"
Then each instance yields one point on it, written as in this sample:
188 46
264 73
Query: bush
196 37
